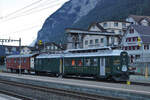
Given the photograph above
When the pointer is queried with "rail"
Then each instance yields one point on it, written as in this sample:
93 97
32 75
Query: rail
82 96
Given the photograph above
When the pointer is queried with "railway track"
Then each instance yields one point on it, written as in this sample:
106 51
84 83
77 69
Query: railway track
12 94
82 96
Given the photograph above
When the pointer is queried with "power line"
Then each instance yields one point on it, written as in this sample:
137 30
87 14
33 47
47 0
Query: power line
36 11
24 8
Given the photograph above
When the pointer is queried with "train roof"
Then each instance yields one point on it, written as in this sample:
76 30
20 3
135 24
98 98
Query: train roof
68 55
22 55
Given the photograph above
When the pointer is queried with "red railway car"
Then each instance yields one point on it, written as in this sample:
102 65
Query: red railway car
13 63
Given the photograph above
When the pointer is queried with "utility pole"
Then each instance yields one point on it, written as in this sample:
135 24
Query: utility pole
13 40
20 55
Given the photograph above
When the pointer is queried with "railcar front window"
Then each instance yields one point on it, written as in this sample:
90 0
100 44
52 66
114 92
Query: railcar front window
116 62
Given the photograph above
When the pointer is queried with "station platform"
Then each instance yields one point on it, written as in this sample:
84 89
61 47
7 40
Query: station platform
140 78
127 92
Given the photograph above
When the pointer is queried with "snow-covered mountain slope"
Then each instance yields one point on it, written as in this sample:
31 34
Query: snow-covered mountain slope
68 14
81 13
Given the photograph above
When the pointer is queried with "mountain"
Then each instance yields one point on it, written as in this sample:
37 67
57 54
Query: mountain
81 13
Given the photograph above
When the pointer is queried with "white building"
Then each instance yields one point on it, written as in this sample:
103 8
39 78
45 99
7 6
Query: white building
118 27
93 41
94 37
102 34
136 42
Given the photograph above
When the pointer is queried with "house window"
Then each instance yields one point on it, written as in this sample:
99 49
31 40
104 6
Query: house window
133 47
112 31
120 32
86 42
102 40
131 30
96 41
105 24
129 47
134 39
91 41
138 47
137 56
146 47
116 24
124 25
129 39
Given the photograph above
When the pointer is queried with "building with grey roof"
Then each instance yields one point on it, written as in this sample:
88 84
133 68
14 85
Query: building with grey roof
136 42
139 20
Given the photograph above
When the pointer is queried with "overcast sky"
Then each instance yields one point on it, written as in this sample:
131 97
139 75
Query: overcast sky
24 18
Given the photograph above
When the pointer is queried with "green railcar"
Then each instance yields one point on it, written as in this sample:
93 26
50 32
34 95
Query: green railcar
112 64
107 64
48 64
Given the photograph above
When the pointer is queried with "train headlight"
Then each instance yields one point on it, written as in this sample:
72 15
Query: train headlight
124 68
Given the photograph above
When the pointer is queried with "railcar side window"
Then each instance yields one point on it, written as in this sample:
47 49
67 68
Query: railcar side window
87 62
68 62
73 62
24 60
15 60
95 62
40 61
9 60
18 60
80 62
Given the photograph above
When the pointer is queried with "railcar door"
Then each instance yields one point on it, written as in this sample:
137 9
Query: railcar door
102 67
32 63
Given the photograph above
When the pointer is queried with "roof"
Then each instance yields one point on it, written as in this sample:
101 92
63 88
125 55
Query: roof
84 49
102 53
139 18
98 25
123 21
144 32
45 44
18 56
72 31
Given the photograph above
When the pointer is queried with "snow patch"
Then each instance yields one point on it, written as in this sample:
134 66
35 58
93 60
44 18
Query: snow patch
85 7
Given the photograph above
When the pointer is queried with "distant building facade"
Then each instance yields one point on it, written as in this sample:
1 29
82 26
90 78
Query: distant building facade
139 20
50 47
93 41
95 36
118 27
